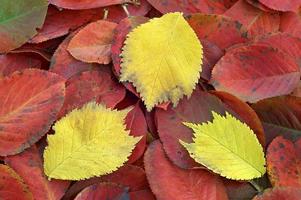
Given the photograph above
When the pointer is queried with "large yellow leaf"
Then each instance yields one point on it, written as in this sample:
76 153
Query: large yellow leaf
91 141
162 58
227 147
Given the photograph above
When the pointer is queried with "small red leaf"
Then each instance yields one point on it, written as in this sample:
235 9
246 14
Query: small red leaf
29 166
30 104
168 181
92 44
284 162
12 186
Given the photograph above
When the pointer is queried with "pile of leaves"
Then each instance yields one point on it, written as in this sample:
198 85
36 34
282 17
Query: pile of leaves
150 99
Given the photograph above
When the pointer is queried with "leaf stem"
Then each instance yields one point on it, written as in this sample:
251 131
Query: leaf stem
105 13
256 186
125 8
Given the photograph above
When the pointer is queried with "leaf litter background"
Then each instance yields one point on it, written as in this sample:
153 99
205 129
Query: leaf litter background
65 53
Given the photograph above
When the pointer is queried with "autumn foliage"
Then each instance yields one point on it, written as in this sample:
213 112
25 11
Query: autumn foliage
150 99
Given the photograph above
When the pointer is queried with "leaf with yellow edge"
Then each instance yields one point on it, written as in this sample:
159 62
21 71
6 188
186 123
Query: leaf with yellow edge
227 147
162 58
91 141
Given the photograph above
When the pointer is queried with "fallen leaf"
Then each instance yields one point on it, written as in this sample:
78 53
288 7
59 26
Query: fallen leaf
254 72
165 81
227 147
284 162
277 193
99 143
86 4
11 183
29 166
168 181
92 44
19 21
31 101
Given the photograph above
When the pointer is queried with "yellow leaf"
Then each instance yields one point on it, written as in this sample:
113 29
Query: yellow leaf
227 147
91 141
162 58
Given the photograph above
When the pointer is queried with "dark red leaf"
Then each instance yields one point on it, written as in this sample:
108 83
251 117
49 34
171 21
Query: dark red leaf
239 190
168 181
259 5
103 191
218 29
30 104
65 65
136 123
129 176
92 85
142 194
280 116
284 162
254 72
12 186
10 63
29 166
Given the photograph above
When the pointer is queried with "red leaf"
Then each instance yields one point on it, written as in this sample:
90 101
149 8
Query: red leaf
92 85
254 72
29 166
136 123
291 23
280 116
220 30
86 4
205 6
92 44
16 62
281 5
280 193
12 186
129 176
31 101
246 113
65 65
121 31
212 54
284 162
167 181
103 191
142 194
255 20
239 190
61 22
170 127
